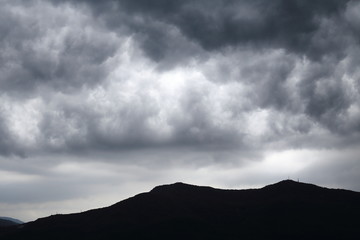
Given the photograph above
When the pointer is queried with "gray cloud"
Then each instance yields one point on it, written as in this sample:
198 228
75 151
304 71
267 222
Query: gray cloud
5 141
39 51
294 25
287 66
322 33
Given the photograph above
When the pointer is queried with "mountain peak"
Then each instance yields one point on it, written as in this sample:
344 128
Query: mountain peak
284 185
291 186
178 187
288 182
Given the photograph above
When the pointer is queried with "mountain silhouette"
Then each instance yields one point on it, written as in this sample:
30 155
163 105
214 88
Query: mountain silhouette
6 223
13 221
285 210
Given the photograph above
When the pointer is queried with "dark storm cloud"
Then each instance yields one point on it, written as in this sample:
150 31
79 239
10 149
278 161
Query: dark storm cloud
325 95
5 141
79 127
291 25
39 51
196 124
9 144
292 57
321 32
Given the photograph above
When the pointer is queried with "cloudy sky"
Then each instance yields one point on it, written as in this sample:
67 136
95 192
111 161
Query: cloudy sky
100 100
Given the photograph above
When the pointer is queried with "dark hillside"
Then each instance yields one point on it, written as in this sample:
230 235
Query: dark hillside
6 223
286 210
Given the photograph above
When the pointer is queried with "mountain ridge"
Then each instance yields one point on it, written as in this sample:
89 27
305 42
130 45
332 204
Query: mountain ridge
7 223
284 210
14 220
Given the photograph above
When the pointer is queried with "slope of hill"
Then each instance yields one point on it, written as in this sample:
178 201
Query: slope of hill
6 223
15 221
286 210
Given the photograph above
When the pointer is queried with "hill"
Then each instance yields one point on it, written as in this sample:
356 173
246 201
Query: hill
7 223
285 210
13 220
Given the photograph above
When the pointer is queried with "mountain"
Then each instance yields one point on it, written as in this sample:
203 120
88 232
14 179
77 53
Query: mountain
285 210
7 223
13 220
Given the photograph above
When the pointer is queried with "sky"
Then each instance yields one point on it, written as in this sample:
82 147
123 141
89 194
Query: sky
101 100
